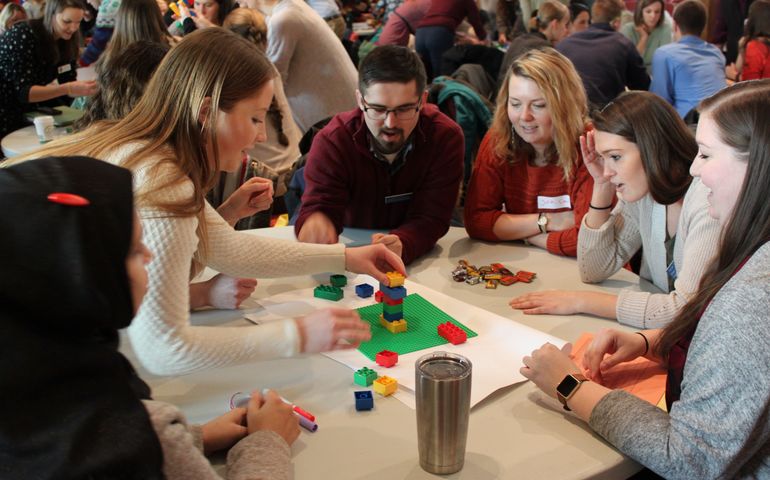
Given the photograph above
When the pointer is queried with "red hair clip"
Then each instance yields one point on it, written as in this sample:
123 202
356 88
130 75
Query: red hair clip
68 199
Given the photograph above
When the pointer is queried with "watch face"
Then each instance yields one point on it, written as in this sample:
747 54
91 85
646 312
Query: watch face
567 385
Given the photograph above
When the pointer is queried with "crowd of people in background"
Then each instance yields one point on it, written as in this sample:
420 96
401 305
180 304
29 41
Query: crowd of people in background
625 134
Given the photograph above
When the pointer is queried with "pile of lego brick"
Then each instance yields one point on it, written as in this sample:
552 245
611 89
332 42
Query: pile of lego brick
392 298
491 275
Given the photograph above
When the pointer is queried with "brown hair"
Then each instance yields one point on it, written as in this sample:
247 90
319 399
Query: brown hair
666 145
210 65
250 24
65 50
641 5
740 114
758 22
136 20
565 99
690 16
547 13
122 81
606 11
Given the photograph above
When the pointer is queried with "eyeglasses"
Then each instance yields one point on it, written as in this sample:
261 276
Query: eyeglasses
406 112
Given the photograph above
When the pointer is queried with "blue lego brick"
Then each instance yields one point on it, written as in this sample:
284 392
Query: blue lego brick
392 317
364 290
396 293
364 400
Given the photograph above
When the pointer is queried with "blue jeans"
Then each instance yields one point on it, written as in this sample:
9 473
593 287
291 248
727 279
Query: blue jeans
431 43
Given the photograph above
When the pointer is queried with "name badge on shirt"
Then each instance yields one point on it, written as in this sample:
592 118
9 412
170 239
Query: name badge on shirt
671 271
64 68
400 198
553 203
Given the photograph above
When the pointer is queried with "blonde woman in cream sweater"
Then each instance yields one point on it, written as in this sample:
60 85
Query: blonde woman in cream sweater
641 151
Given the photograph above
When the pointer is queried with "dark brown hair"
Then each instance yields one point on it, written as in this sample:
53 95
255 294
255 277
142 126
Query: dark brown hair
690 17
666 145
605 11
758 21
740 114
641 5
122 80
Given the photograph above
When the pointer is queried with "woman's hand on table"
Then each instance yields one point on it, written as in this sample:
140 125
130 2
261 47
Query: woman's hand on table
228 292
224 431
272 413
81 88
555 302
547 366
332 329
610 347
254 196
375 260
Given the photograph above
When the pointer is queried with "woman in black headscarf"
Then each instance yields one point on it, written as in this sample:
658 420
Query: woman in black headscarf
71 405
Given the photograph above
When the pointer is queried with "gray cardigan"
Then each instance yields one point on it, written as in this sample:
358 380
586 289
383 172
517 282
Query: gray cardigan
604 251
720 427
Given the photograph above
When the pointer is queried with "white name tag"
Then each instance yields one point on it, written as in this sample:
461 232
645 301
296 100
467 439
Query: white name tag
64 68
553 203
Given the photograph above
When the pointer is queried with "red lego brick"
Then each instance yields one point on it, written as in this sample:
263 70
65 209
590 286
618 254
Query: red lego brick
378 296
454 334
390 301
386 358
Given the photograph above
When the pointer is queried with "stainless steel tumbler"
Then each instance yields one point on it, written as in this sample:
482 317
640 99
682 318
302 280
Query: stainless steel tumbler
443 397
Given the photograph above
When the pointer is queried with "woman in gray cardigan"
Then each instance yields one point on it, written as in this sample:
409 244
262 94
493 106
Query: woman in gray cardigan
646 150
717 349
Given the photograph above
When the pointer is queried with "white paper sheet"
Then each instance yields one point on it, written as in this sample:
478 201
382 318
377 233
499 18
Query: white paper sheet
495 353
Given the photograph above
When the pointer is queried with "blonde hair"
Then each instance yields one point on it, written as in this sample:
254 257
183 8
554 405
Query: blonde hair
565 100
9 10
209 65
136 20
249 24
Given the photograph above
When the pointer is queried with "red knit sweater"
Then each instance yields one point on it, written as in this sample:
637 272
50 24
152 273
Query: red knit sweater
496 185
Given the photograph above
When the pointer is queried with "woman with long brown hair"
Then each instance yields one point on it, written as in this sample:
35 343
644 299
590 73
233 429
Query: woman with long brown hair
716 349
203 107
640 150
33 54
529 181
650 29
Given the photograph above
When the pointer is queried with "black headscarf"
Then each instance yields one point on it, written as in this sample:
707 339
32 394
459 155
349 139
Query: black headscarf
69 401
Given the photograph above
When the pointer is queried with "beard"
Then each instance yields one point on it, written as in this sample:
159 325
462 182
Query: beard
390 147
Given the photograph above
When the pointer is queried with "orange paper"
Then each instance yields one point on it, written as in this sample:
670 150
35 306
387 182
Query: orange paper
641 377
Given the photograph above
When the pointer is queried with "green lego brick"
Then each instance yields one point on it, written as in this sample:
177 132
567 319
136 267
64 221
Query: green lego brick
365 376
392 308
328 292
423 318
338 280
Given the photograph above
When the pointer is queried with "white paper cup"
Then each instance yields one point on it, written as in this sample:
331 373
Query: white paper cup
44 128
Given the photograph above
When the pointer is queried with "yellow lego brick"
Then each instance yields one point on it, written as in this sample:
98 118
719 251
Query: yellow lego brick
397 326
395 279
385 385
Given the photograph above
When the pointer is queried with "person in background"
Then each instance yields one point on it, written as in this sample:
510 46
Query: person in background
580 15
137 20
394 163
318 76
385 7
34 8
436 31
330 12
730 26
547 28
205 14
38 63
103 28
97 419
607 62
403 22
716 350
641 151
754 50
203 107
529 181
11 15
650 29
690 69
506 16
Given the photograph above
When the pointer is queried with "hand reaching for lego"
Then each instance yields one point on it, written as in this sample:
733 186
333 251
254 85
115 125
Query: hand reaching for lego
393 242
323 330
375 260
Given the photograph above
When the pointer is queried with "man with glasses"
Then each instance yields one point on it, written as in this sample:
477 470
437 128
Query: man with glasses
393 164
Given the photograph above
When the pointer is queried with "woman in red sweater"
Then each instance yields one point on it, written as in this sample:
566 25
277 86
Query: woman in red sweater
529 182
754 59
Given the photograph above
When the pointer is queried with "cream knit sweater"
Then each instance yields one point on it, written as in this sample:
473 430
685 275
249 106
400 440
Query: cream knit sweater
161 334
604 251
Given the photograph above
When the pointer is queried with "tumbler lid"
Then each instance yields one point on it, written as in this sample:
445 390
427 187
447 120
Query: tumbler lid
443 366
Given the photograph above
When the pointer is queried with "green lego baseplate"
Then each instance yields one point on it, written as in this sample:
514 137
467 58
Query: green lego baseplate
423 318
